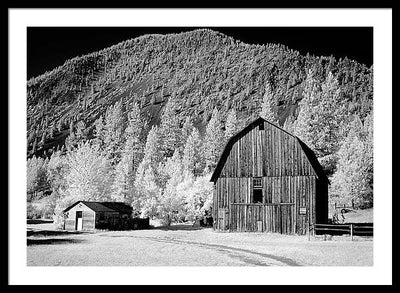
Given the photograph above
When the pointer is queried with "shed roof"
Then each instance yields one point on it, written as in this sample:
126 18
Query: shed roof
308 152
97 206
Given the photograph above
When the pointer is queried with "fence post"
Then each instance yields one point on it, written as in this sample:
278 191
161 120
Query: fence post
351 231
308 230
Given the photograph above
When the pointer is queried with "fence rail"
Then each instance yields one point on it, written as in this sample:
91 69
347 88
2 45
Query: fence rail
353 229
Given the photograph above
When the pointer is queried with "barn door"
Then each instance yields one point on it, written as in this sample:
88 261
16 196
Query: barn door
79 221
223 219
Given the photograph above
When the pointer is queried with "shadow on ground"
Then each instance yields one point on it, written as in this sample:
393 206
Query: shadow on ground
178 228
39 221
50 232
51 241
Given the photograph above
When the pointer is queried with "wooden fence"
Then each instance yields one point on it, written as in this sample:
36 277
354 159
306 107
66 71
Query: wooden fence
353 229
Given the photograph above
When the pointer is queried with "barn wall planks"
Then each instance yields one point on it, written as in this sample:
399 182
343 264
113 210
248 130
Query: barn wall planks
295 191
268 152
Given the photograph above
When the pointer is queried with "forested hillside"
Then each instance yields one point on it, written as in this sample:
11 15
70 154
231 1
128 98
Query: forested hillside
150 116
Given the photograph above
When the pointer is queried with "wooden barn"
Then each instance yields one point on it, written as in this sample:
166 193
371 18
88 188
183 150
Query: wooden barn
268 180
90 215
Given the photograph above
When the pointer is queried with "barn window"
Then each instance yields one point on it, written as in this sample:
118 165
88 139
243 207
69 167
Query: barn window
257 190
261 126
101 216
257 182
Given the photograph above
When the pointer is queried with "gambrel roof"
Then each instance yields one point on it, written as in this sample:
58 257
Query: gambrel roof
316 166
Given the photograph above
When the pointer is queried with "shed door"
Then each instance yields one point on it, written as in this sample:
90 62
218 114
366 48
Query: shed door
79 222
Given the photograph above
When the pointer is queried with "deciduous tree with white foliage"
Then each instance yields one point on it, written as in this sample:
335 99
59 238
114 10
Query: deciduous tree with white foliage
89 176
198 197
171 202
36 176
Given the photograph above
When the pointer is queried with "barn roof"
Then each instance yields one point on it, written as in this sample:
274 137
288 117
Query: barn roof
312 158
308 152
104 206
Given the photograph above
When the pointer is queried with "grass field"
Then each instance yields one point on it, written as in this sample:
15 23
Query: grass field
355 216
183 245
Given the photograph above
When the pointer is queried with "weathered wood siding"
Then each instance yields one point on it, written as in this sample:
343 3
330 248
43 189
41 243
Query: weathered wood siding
270 152
88 218
289 184
279 193
105 219
278 218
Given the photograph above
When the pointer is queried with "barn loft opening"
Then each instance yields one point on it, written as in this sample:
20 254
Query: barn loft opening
257 196
257 190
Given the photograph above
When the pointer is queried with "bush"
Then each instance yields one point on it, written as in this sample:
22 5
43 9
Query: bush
32 212
119 224
40 209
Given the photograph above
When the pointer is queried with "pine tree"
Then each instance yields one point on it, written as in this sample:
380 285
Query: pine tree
152 150
186 131
231 124
123 187
214 139
51 133
44 138
146 184
268 105
71 128
353 180
34 146
169 129
81 131
79 134
114 126
192 156
321 116
99 131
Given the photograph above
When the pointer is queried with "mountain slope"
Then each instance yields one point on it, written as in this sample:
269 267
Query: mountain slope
201 69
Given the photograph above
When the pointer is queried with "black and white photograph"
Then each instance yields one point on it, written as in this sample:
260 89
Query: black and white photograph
209 146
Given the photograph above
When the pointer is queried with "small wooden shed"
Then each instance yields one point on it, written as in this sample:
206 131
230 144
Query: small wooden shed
90 215
268 180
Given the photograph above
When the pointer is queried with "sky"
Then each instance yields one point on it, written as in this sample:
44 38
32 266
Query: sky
49 47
